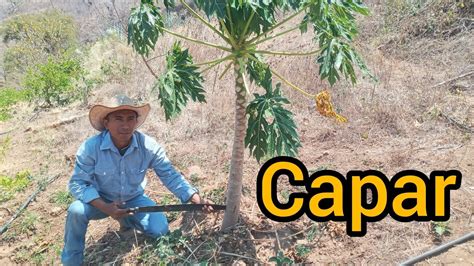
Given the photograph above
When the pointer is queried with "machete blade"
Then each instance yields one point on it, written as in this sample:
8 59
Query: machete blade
176 208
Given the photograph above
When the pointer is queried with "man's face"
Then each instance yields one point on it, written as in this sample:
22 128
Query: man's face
121 124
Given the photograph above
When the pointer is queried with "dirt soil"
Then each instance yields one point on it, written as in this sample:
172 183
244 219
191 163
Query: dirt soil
402 122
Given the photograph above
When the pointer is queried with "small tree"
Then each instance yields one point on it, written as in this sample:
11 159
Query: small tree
244 25
53 83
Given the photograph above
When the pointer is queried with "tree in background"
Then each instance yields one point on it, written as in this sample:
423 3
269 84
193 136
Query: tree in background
243 26
33 38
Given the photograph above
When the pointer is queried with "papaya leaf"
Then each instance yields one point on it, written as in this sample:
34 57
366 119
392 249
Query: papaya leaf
271 129
335 28
180 81
144 27
259 72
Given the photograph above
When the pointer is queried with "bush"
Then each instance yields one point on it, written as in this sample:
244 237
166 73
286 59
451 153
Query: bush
53 83
32 38
62 198
8 97
168 249
114 71
9 186
109 60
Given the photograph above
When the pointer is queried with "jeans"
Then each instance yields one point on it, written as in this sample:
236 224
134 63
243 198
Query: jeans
79 214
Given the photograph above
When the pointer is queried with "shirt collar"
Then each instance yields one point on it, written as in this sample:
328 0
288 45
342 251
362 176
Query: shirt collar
107 142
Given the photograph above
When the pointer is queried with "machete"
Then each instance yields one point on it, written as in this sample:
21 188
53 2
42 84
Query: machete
175 208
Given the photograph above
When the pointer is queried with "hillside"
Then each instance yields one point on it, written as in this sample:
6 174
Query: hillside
419 115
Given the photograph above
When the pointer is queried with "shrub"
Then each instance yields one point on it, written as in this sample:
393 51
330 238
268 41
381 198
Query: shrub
53 83
168 249
8 97
108 60
62 198
32 38
9 186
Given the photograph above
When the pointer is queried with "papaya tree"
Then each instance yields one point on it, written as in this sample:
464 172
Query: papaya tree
262 124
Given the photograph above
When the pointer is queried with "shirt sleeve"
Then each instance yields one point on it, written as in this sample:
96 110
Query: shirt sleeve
81 184
172 179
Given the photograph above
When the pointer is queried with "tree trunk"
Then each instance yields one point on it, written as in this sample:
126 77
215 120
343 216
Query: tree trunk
234 184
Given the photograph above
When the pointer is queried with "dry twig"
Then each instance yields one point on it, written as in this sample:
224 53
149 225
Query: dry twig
239 256
453 79
459 125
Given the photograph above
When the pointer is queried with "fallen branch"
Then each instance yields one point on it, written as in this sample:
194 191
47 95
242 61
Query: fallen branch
239 256
18 125
194 251
57 124
40 188
453 79
459 125
277 239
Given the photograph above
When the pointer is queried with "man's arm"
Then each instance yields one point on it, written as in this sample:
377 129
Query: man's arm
81 184
172 179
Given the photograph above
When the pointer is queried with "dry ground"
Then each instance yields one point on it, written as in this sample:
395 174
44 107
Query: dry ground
402 122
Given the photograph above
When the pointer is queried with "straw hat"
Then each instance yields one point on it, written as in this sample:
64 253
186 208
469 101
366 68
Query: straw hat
98 112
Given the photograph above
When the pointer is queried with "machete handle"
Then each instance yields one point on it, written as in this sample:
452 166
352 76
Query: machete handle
132 210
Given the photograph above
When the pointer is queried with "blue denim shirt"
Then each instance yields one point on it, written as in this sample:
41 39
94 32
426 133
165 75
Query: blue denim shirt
101 171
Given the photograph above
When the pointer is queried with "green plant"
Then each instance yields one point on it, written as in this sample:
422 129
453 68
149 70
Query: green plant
243 26
9 186
285 195
280 259
27 222
53 83
182 80
22 255
194 178
216 195
302 250
32 38
166 200
168 249
8 97
38 258
62 198
85 86
440 229
4 146
209 248
271 129
57 249
114 71
312 232
9 236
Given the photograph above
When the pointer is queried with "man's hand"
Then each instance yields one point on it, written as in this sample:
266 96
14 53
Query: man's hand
111 209
196 199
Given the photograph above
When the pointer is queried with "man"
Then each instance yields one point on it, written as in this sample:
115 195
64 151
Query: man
109 176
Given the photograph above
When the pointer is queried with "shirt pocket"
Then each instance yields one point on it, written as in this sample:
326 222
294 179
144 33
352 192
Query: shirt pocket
135 176
106 177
